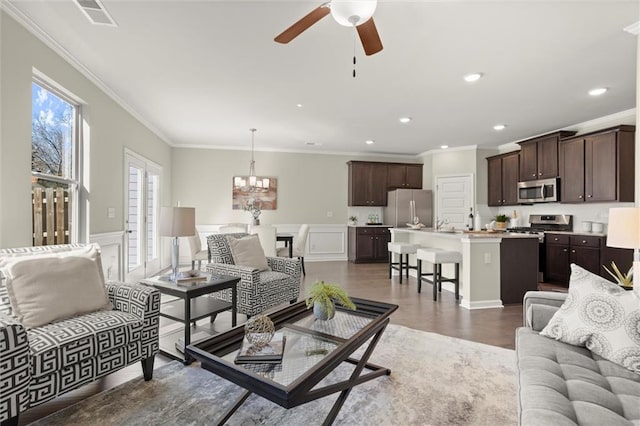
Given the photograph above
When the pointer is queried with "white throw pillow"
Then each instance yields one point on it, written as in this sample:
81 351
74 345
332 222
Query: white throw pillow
600 315
248 251
50 287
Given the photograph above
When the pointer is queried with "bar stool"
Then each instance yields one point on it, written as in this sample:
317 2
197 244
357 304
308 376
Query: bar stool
438 257
403 250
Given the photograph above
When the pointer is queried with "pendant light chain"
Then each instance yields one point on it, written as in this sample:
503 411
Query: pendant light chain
252 165
354 52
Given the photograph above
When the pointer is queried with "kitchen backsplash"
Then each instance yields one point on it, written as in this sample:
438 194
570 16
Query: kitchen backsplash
362 213
597 212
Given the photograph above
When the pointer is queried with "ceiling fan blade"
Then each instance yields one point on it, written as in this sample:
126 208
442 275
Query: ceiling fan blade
299 27
369 37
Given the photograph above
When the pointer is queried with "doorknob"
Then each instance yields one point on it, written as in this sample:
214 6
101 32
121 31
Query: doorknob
128 231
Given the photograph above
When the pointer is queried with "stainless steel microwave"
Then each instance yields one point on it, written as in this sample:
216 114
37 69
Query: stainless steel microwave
539 191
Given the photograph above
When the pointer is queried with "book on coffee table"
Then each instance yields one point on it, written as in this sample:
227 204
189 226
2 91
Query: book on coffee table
271 353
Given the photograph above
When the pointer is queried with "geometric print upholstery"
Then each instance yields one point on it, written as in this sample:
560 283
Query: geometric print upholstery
64 343
219 248
14 368
47 361
259 291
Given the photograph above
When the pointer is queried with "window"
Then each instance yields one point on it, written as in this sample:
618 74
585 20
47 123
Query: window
54 165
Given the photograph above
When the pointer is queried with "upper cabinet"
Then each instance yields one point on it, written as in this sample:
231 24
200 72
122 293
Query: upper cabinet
369 181
599 166
503 173
539 156
404 176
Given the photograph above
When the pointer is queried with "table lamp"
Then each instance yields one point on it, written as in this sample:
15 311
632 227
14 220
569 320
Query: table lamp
624 232
177 222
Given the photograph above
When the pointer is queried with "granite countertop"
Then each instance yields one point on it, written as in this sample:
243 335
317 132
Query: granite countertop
462 234
589 234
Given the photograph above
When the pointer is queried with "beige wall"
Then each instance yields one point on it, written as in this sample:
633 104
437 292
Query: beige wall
111 130
309 185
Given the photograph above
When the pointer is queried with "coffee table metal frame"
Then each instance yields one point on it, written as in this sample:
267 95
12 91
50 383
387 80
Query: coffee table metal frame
193 308
301 390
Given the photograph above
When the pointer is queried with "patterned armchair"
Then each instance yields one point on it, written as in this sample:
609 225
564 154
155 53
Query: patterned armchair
41 363
257 291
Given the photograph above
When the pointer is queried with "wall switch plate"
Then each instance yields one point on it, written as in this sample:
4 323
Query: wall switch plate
329 214
111 213
487 258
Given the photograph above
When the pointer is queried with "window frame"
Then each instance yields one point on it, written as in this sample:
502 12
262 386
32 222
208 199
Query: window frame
77 214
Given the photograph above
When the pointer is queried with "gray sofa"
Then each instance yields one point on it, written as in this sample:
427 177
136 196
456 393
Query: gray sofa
561 384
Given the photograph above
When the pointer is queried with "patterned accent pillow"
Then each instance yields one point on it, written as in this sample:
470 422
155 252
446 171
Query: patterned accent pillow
600 315
219 249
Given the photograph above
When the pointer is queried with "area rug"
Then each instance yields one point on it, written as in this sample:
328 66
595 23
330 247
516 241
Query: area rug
435 380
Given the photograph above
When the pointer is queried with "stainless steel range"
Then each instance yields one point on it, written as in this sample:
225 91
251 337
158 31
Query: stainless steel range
541 223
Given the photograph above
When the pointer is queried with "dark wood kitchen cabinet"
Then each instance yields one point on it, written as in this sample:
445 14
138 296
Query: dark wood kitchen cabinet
503 174
367 183
539 156
599 166
404 176
587 251
368 244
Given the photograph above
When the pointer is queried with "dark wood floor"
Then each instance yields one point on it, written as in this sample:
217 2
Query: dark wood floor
490 326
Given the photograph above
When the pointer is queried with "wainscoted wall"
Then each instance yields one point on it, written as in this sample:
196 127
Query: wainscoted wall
112 253
325 242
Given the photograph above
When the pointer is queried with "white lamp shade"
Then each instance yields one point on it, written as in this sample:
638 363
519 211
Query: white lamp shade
351 13
624 227
177 221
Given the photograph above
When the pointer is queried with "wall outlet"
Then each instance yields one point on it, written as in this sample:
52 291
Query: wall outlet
487 258
329 214
111 213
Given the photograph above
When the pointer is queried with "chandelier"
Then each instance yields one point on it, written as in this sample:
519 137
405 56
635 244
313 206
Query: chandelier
252 183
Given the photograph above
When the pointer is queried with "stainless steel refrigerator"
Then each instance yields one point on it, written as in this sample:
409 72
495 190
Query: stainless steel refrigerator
405 204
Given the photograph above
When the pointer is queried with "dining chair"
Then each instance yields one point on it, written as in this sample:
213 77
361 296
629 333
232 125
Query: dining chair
267 235
299 246
197 253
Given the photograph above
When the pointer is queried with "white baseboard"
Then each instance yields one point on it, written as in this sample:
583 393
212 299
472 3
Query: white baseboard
482 304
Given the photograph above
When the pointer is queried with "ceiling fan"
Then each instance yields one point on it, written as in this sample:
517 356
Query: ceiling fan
350 13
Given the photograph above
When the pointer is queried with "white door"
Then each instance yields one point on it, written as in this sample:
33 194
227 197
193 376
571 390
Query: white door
142 208
454 199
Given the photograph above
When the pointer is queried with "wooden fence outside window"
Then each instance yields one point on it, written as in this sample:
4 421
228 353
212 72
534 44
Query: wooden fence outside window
51 216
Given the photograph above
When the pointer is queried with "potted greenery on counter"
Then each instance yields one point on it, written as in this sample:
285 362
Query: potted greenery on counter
501 221
323 296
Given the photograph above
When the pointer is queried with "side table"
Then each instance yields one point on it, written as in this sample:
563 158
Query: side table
191 307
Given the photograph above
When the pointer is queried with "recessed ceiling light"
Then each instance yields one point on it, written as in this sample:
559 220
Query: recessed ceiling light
598 91
405 120
313 143
499 127
444 146
299 105
473 77
369 142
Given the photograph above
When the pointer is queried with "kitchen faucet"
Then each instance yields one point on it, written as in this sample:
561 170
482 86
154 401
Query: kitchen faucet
441 222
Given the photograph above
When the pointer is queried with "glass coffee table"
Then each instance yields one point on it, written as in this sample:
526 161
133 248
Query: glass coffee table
313 350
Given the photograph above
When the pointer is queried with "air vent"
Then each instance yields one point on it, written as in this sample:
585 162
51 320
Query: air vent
95 12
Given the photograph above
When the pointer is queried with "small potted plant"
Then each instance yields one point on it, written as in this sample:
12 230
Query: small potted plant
623 280
323 296
353 220
501 221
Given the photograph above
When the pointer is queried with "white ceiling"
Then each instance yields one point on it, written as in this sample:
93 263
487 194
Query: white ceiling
201 73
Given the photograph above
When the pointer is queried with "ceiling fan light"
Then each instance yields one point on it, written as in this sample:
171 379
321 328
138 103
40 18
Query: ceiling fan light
352 13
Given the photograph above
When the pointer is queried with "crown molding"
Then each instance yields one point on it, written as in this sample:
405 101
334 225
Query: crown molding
41 35
441 151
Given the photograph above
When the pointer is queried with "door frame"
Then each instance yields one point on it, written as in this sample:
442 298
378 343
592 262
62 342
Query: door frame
154 265
472 201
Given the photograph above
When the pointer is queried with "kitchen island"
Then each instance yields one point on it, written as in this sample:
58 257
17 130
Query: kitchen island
497 267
